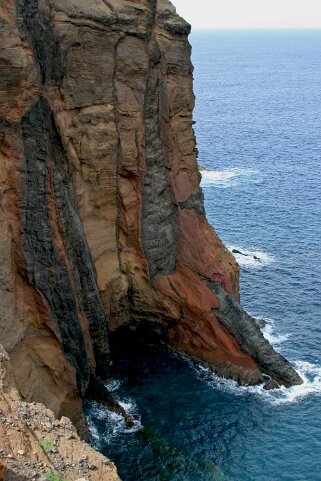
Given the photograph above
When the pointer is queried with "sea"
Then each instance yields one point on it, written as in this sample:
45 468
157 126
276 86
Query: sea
258 128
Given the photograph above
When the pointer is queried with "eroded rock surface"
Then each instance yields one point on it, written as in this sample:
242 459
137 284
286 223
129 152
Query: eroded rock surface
34 444
103 228
246 329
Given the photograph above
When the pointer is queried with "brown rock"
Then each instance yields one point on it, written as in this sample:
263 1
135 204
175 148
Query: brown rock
2 471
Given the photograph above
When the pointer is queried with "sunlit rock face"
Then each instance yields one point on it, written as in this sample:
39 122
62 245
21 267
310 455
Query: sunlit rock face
103 229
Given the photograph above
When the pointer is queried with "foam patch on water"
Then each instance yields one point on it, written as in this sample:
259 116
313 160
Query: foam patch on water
229 177
114 423
270 332
272 336
253 259
310 373
113 385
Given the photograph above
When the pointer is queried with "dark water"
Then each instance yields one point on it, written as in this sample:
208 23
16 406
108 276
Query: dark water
258 116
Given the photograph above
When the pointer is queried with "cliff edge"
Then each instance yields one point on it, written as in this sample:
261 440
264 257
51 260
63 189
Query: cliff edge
103 231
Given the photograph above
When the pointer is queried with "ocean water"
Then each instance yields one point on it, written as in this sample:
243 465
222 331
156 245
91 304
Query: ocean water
258 114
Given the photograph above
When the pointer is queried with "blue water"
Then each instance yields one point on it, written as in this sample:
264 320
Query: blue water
258 115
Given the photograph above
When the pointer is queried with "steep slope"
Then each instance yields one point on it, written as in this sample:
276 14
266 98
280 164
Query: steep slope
34 444
103 229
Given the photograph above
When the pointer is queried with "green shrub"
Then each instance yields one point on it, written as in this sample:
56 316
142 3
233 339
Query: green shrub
47 445
54 477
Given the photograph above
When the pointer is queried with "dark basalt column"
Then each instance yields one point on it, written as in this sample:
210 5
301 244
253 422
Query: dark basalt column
159 213
37 25
244 328
47 170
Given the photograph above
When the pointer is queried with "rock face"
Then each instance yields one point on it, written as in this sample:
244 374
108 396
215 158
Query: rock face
103 231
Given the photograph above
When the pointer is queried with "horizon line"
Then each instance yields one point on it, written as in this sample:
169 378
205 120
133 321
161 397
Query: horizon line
256 28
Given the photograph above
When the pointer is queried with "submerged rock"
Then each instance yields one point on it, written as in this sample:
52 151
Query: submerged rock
261 323
236 251
98 392
271 384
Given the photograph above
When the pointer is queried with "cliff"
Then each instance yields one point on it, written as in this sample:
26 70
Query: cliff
103 231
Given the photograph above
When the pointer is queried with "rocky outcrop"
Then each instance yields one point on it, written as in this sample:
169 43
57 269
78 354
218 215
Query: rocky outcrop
246 329
103 230
34 445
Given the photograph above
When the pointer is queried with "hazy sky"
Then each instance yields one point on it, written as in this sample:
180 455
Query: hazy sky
250 13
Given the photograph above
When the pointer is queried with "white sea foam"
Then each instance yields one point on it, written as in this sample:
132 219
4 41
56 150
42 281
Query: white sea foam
131 409
270 332
218 175
92 426
255 259
310 373
274 338
113 385
230 177
114 423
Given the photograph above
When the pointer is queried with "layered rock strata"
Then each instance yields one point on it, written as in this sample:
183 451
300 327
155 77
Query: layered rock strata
103 228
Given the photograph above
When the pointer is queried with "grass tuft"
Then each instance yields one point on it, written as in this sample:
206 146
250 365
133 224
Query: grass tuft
47 445
54 477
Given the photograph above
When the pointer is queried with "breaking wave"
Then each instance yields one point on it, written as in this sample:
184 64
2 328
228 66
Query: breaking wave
104 424
252 259
272 336
230 177
114 385
310 373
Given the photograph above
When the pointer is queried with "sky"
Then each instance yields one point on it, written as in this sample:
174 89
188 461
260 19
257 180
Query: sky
250 13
